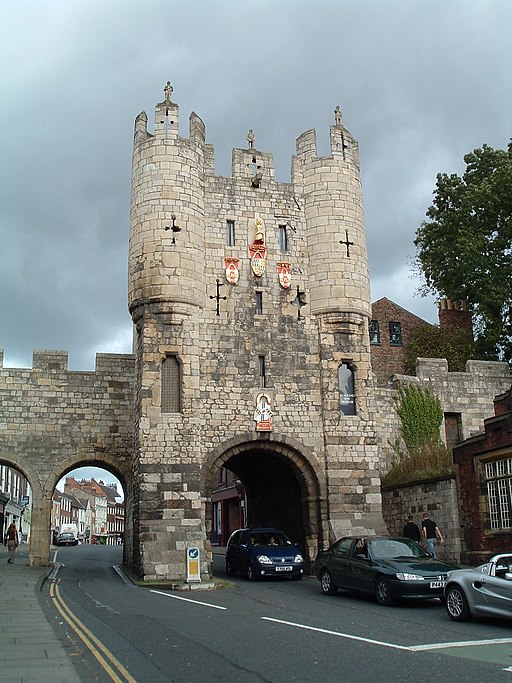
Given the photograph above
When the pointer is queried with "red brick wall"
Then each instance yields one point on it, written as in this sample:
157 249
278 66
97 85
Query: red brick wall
479 541
388 359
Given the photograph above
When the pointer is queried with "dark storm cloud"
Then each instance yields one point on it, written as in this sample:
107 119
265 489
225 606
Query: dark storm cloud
419 83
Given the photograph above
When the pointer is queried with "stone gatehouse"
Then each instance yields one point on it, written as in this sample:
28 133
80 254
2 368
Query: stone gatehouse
251 306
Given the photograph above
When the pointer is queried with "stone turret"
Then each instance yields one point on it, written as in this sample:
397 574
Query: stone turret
166 252
333 210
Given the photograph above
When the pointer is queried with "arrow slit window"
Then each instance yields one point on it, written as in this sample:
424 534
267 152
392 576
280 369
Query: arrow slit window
283 238
346 389
171 385
230 233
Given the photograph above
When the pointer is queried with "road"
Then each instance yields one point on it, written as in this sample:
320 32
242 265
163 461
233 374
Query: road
276 630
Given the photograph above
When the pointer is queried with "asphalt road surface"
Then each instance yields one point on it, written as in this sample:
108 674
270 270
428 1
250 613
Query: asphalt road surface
274 630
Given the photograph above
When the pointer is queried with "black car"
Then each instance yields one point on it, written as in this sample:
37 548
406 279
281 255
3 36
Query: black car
67 539
263 552
390 568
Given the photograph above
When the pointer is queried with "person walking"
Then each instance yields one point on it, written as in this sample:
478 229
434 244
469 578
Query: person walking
11 541
430 532
411 530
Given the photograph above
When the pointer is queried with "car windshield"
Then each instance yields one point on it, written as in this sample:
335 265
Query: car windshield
268 538
387 548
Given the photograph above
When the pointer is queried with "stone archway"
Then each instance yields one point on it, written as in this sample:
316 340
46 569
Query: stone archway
284 482
42 484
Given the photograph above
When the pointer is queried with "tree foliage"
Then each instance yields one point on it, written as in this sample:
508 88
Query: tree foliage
430 341
464 250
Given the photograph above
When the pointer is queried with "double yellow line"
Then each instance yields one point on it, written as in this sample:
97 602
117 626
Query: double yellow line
117 672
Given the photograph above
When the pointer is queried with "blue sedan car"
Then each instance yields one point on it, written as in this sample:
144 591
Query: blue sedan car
260 552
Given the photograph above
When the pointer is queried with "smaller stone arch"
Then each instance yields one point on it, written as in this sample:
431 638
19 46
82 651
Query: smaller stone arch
44 485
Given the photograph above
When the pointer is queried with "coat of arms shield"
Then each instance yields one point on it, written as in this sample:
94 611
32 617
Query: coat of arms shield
231 269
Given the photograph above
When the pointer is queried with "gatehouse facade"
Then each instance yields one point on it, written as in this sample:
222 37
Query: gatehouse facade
250 300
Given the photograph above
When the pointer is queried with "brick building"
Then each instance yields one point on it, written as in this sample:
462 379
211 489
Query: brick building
484 478
391 328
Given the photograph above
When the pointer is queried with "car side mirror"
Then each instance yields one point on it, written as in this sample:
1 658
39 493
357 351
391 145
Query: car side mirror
360 556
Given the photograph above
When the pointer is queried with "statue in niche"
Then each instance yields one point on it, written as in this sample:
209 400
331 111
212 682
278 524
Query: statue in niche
263 413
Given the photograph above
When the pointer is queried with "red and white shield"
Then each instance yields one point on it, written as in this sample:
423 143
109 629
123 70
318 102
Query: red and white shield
258 252
231 268
284 272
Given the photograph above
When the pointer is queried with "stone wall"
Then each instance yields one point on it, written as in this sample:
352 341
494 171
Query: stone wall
470 395
437 497
53 419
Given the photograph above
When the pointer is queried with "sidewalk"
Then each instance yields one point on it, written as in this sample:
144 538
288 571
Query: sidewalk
30 652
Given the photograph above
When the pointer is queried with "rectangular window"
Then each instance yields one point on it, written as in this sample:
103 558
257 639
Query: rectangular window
499 493
283 238
171 385
230 233
261 370
259 302
395 334
374 332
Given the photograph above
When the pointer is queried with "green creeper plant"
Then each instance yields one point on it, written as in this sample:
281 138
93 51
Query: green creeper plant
421 415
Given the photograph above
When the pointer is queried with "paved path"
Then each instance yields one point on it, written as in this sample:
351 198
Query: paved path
30 651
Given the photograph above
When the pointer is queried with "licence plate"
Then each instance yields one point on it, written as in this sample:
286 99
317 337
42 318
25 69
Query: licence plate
284 569
437 584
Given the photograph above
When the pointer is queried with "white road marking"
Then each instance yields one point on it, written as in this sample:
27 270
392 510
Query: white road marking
394 646
338 634
195 602
461 643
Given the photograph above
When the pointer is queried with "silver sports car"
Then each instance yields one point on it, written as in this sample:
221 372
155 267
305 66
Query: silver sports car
482 591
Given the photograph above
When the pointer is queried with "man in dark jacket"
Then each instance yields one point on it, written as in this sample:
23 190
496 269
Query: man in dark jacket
411 530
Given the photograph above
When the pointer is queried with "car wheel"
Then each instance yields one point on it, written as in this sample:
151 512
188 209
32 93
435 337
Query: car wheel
251 574
328 588
457 604
229 569
383 591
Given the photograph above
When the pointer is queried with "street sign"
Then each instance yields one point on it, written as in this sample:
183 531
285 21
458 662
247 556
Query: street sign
193 564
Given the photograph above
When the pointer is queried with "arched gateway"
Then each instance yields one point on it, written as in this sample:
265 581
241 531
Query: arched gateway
283 486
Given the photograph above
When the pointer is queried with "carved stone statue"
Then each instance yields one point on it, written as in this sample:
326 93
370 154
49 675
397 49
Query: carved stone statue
250 138
168 91
337 116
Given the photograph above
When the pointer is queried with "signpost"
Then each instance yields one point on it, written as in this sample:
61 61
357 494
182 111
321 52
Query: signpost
193 563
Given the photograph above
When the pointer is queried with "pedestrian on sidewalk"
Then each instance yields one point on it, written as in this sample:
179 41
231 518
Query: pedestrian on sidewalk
430 533
11 541
411 530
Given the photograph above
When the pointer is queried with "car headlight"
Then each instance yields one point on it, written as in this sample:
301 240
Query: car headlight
403 576
263 559
298 558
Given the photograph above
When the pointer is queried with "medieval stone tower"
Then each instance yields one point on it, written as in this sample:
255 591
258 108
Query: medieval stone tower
251 302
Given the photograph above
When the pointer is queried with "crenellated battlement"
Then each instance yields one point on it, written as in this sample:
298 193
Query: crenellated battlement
47 362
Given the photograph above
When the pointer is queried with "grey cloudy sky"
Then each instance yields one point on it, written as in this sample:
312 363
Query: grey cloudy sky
419 83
